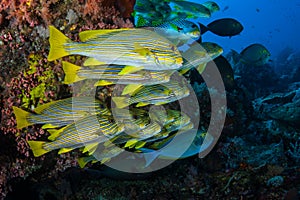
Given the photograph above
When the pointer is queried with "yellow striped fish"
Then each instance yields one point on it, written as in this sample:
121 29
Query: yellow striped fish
211 6
61 112
198 55
108 75
136 48
131 137
191 9
78 134
101 153
154 94
180 122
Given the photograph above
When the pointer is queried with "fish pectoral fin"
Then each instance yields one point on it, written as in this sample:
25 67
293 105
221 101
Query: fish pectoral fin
130 89
92 62
71 71
200 68
129 69
120 102
103 83
65 150
140 104
143 51
37 147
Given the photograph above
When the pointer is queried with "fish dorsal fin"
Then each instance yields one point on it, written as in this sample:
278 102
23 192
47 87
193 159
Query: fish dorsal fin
41 108
131 88
93 34
92 62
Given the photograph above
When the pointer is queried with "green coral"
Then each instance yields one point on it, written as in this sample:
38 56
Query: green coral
44 81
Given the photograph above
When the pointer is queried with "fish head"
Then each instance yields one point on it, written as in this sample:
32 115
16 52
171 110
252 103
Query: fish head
213 49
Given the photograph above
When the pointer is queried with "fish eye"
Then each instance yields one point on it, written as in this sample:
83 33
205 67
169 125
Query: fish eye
194 26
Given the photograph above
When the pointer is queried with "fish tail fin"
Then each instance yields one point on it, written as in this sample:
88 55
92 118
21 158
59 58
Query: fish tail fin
37 148
71 72
121 102
203 28
21 117
150 156
57 40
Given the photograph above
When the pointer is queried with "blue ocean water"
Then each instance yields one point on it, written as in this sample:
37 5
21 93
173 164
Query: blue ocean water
273 23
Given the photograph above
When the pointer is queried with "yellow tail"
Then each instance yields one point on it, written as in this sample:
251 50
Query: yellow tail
37 148
71 73
120 102
57 40
22 117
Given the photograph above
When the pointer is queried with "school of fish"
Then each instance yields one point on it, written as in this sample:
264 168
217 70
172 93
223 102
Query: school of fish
144 60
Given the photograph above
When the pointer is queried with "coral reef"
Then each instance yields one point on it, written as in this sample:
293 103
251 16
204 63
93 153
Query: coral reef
28 80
